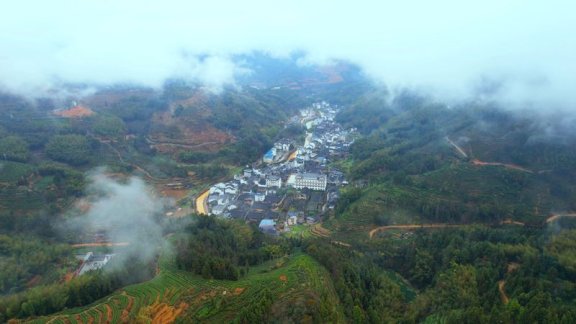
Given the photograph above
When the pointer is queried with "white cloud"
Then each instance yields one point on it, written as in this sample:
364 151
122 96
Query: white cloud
443 45
125 212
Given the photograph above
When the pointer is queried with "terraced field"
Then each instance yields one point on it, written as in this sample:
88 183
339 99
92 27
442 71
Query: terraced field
13 171
179 296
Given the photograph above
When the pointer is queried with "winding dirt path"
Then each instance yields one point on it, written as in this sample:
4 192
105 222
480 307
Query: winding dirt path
121 159
460 150
512 222
503 296
411 226
506 165
137 167
555 217
173 144
416 226
482 163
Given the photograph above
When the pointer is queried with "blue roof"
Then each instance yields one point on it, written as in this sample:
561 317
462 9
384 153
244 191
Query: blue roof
267 222
270 153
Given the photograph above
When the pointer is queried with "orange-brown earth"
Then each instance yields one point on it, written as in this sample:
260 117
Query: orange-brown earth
75 112
410 226
506 165
557 216
176 194
192 133
126 312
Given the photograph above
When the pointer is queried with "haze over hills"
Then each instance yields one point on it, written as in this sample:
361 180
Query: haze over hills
349 163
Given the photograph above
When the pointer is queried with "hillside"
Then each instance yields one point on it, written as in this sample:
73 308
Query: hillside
424 162
448 213
295 288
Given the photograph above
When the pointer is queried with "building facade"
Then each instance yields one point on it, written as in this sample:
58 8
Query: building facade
314 181
273 181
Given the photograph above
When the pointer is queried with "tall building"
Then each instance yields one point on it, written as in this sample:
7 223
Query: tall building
314 181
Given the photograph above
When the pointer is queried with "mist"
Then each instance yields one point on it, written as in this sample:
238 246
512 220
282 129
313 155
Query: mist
126 212
520 52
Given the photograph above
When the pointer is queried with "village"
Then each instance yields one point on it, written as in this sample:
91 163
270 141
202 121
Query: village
293 184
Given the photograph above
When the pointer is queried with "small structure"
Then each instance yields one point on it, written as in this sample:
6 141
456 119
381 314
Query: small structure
259 196
269 156
218 210
94 262
273 181
292 218
267 226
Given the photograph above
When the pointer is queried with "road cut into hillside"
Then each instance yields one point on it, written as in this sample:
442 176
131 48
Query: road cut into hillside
411 226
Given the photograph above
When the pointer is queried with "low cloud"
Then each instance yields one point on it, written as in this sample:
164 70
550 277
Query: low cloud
449 48
123 212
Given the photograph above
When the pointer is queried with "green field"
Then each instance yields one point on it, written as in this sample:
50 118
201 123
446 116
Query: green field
299 231
175 295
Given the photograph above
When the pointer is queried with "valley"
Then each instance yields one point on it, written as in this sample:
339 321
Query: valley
311 201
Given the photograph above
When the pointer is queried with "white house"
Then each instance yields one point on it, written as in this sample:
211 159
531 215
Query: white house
273 181
292 220
259 196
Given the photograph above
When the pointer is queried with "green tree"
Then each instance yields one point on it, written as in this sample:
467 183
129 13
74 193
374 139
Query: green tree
108 126
71 149
14 148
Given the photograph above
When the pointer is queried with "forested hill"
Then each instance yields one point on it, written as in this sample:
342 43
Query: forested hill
179 138
428 162
452 213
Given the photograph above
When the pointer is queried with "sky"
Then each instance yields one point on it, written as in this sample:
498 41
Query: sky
518 50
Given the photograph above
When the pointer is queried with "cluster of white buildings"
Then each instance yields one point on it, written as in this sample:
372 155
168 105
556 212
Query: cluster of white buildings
254 194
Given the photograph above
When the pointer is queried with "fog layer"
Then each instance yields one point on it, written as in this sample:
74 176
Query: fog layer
124 213
517 50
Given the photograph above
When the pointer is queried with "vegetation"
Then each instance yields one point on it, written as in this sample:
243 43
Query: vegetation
293 287
80 291
72 149
495 175
26 262
14 148
108 126
224 250
416 174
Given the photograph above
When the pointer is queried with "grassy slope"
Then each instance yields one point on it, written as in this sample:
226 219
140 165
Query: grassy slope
213 300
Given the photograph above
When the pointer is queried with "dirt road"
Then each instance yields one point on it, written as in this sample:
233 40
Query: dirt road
173 144
411 226
503 296
201 203
555 217
509 166
461 151
121 159
511 222
79 245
